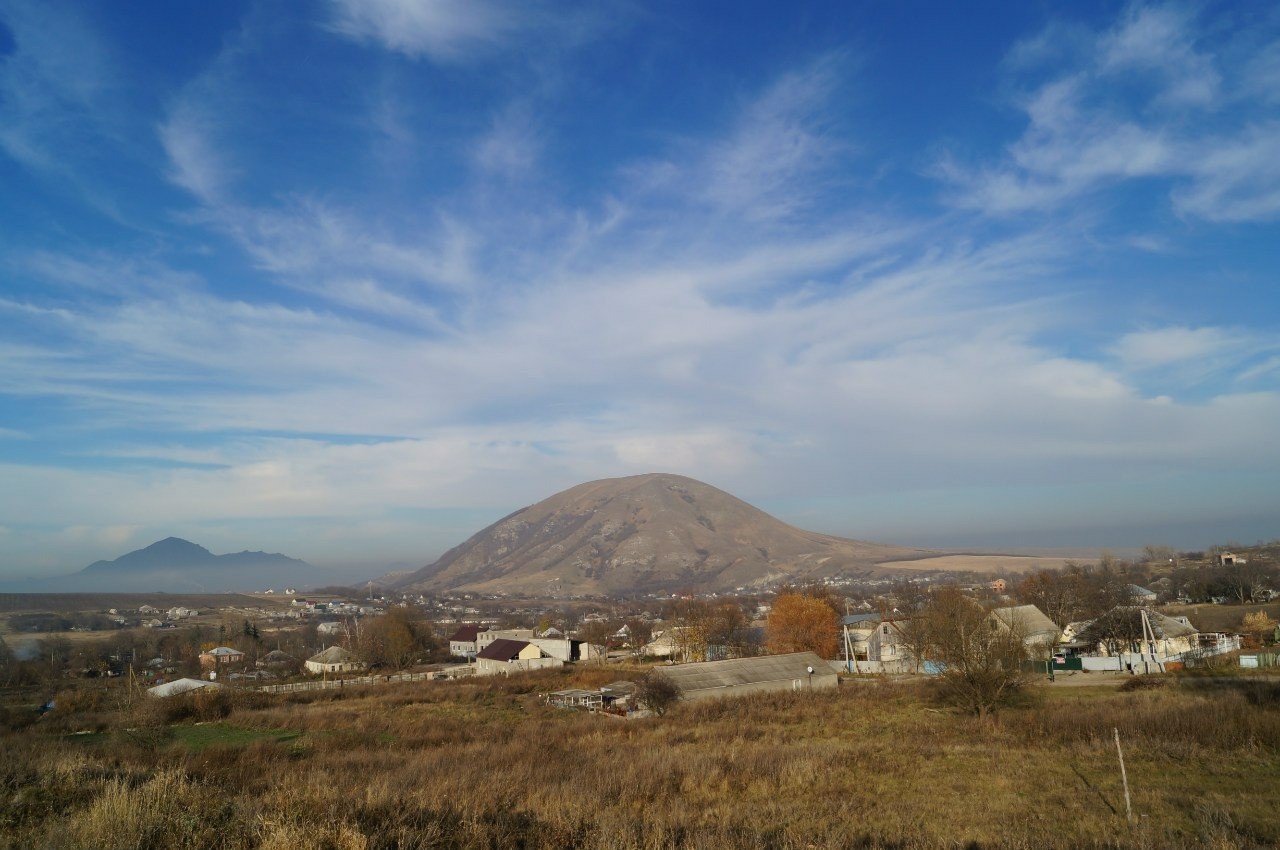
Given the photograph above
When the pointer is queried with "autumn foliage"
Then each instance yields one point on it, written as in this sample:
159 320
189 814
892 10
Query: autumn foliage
800 622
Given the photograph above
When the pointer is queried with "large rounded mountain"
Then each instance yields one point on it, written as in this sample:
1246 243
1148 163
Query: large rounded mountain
643 533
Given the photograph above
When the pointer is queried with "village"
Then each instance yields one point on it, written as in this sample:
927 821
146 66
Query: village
719 646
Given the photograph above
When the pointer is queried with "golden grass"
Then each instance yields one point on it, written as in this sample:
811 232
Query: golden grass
979 563
483 764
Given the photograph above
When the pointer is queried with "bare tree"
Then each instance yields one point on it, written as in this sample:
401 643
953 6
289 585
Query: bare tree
982 664
656 692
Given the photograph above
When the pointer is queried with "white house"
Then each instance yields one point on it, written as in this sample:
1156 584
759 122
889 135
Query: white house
335 659
1028 622
462 643
506 655
485 638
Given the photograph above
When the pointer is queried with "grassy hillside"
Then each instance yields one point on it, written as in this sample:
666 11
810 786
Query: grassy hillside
483 764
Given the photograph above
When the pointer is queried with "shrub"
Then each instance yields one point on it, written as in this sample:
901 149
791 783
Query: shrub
656 693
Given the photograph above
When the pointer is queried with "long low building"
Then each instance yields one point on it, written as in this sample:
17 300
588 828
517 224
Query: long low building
796 671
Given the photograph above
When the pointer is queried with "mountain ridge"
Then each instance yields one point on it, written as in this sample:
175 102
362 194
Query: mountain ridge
175 565
643 533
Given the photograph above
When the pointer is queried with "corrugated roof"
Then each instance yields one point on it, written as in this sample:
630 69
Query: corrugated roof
503 649
707 675
853 619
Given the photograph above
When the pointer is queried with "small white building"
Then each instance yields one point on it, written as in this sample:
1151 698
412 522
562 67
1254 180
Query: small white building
1039 634
1141 596
335 659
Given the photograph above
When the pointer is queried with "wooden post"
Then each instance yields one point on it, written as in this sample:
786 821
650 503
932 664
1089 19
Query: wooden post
1124 778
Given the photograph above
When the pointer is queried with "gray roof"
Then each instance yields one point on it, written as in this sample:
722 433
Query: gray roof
712 675
854 619
180 686
620 687
1027 621
332 655
1167 627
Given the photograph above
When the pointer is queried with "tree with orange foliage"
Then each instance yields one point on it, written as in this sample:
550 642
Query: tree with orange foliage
800 622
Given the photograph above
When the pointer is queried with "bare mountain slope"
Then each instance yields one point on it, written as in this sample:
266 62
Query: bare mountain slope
641 533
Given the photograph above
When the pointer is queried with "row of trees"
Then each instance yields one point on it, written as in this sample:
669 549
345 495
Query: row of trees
1077 591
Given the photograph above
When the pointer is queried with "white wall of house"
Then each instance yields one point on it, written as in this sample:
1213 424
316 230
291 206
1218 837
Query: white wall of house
489 667
483 639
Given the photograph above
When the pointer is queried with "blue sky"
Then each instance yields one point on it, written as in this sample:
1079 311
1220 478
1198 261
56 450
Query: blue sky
350 280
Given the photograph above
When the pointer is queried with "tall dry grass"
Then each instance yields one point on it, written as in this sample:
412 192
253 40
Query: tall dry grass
484 764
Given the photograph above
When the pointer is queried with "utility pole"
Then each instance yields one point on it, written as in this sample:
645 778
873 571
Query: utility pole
1124 778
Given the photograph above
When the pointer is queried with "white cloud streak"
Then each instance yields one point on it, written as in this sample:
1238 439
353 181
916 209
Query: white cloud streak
442 30
1136 104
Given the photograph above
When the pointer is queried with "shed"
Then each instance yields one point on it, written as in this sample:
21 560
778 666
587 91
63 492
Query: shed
575 698
796 671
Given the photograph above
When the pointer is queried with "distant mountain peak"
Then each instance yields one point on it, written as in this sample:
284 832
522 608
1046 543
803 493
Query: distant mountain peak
182 565
639 533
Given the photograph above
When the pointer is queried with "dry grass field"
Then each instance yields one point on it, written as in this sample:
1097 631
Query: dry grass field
485 764
68 602
979 563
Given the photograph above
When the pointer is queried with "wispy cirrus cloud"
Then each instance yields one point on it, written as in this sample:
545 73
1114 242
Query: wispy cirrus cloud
442 30
52 84
1133 103
460 320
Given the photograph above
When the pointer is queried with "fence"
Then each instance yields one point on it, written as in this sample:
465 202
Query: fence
327 684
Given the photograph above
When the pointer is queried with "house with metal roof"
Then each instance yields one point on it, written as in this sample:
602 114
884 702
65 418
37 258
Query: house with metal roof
220 655
796 671
462 643
1029 623
335 659
1141 595
506 655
